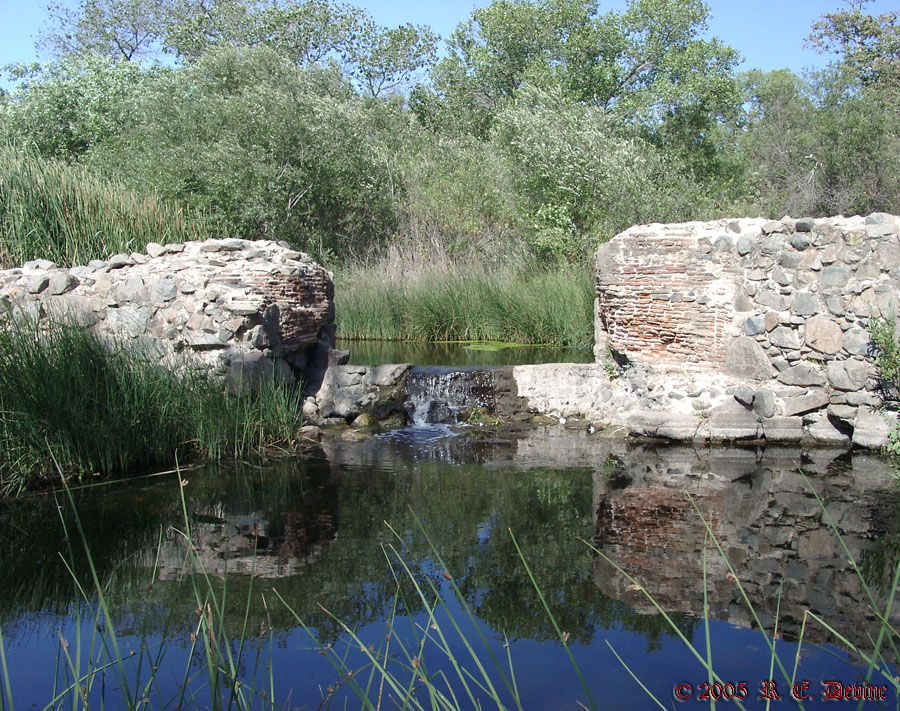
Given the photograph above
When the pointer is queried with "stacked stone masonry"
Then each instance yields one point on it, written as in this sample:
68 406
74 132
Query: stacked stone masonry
248 310
767 322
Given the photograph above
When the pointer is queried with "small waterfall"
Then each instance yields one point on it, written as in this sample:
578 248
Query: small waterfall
436 395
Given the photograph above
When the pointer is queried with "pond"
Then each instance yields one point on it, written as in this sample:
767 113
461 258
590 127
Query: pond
458 354
344 540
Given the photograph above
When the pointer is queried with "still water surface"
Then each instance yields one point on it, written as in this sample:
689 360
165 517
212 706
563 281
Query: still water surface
458 354
314 530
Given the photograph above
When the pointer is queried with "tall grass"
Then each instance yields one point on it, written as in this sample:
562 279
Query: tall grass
467 302
70 215
67 397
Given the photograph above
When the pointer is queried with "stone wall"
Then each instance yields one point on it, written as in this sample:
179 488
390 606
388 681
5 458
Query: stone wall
773 313
237 308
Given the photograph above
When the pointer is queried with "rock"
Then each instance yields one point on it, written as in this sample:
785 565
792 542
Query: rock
154 249
356 436
872 428
743 303
311 432
772 245
789 260
337 357
879 218
41 264
815 400
801 375
823 431
835 305
365 420
772 226
117 261
128 321
800 241
847 374
773 300
805 303
754 325
732 421
824 335
162 290
36 283
784 337
132 289
858 341
61 282
744 245
862 398
745 358
764 403
781 277
805 224
843 413
782 429
834 276
744 395
663 425
310 410
723 244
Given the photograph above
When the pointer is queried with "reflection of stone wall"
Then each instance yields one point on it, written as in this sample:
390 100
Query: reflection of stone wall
767 521
232 306
246 545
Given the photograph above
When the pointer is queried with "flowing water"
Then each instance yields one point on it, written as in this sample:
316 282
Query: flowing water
314 532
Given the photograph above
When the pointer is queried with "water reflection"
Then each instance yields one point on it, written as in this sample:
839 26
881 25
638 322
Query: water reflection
768 522
314 530
456 354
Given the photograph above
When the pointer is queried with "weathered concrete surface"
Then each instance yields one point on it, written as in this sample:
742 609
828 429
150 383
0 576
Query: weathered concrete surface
246 309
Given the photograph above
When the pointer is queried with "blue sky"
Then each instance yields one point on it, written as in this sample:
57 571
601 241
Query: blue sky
769 34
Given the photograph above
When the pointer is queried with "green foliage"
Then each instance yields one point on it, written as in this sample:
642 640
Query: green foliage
80 103
458 193
546 307
548 126
273 150
887 357
119 29
70 215
869 45
634 64
820 146
67 400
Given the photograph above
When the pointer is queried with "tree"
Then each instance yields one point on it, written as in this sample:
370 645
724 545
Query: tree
122 29
637 65
869 45
383 59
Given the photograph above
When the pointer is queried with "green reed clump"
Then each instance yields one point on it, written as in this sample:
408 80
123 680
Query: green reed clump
67 398
514 305
70 215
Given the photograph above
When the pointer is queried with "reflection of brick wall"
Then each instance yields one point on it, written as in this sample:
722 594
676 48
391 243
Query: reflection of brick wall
666 298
